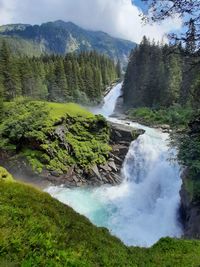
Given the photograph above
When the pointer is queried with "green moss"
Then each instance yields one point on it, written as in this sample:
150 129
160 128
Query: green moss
37 230
32 129
5 175
34 158
58 110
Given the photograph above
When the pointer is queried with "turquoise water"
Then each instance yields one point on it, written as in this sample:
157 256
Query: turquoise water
144 207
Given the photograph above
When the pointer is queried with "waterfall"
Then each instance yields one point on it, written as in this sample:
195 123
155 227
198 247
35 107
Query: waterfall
110 100
144 207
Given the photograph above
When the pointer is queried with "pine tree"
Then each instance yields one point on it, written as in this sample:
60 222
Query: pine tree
61 81
10 74
1 97
27 78
174 80
190 37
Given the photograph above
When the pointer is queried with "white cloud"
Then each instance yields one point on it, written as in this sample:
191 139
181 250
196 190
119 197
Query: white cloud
119 18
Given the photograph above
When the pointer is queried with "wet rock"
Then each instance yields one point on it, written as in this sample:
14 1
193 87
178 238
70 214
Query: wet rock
189 211
121 137
61 132
105 167
120 133
112 165
76 180
79 183
55 173
96 172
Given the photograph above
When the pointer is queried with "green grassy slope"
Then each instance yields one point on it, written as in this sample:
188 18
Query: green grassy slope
37 230
58 110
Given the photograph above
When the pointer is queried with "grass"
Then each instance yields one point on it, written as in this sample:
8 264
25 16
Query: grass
58 110
37 230
174 116
5 175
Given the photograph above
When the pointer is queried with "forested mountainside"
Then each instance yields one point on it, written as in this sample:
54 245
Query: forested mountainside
161 84
61 37
80 77
159 76
20 46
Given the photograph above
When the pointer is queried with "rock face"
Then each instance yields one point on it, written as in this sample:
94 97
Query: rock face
121 137
190 211
190 208
109 173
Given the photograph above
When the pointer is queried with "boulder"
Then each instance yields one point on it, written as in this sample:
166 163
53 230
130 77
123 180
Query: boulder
96 172
112 165
120 133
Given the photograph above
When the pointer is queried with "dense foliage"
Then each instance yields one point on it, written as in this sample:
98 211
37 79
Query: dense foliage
160 76
189 155
175 116
80 78
54 136
37 230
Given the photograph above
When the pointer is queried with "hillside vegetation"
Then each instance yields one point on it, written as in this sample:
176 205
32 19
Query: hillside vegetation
20 46
37 230
81 78
160 76
61 37
161 84
53 136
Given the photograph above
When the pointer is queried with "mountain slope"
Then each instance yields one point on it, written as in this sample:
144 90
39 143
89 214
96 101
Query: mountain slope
21 46
37 230
61 37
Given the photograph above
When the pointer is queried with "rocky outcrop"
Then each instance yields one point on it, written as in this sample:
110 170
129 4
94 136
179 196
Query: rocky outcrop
109 173
189 211
121 137
190 202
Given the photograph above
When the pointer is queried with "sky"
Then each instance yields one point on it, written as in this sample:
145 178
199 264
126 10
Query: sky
119 18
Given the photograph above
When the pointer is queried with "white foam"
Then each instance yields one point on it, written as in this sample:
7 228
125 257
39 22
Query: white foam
144 207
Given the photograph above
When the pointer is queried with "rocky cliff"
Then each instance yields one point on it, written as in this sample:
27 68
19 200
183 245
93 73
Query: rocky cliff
190 190
189 210
72 150
109 172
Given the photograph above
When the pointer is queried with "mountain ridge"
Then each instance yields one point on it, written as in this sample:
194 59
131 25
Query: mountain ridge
60 37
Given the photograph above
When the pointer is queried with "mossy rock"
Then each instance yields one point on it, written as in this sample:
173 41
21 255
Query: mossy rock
5 175
53 136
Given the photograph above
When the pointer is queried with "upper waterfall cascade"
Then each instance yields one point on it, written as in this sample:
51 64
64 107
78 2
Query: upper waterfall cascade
144 207
109 102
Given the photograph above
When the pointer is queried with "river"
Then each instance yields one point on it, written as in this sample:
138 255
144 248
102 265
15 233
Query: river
144 207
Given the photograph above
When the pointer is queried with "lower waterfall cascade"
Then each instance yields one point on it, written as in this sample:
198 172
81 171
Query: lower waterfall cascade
144 207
